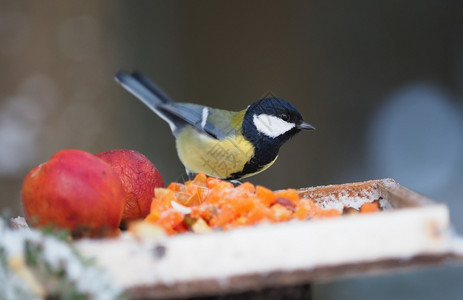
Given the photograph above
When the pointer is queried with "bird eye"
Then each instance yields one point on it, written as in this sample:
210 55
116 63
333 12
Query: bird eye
284 117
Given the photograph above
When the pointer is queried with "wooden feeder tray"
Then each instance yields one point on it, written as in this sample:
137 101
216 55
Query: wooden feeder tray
410 231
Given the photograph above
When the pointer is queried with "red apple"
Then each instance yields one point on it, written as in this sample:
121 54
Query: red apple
139 177
74 190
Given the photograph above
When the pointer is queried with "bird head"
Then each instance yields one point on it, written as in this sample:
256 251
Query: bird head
272 120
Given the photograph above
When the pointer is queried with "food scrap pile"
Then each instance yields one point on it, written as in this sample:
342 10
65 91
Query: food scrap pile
207 203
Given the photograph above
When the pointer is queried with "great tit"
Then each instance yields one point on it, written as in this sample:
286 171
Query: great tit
225 144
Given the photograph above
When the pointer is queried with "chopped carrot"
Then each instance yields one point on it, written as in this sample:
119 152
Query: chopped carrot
290 194
213 182
197 198
177 187
303 210
218 204
216 195
153 217
242 204
200 180
327 213
246 188
307 209
180 227
205 211
226 215
241 221
260 213
266 195
162 199
169 220
281 213
369 207
182 197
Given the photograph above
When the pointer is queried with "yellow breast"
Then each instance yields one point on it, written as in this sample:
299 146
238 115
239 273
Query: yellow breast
218 158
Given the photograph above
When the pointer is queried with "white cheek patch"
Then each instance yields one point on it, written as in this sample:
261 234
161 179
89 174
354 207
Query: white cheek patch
272 126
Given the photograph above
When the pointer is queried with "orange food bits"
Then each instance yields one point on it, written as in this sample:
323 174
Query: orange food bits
213 182
153 217
162 199
304 210
200 180
226 215
327 213
197 198
265 195
177 187
290 194
217 195
242 204
182 197
218 204
205 211
281 213
369 207
246 188
259 214
307 209
160 192
241 221
170 220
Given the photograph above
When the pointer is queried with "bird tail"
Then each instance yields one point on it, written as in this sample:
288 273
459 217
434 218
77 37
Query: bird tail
150 94
143 88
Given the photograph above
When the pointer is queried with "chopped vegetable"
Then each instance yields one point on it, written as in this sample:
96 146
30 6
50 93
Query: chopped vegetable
200 226
207 203
369 207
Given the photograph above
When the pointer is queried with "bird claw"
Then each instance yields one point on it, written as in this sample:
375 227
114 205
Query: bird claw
236 182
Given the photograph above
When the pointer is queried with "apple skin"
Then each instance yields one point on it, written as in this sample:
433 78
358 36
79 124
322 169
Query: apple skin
74 190
139 178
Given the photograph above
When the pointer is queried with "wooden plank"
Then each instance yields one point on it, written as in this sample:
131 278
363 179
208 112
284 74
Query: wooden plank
399 196
412 231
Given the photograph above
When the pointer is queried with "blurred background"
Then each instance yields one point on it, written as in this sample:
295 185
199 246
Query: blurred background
381 80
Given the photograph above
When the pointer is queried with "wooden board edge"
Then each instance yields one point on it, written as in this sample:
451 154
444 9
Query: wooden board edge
320 274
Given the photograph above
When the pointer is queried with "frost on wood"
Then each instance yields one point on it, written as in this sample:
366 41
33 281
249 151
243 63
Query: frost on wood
344 195
33 265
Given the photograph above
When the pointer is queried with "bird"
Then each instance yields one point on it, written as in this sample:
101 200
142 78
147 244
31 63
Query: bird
230 145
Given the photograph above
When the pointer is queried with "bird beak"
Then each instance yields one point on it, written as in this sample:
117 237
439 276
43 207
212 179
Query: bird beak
305 126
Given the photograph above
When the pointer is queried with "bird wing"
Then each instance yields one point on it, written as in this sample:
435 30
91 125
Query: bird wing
216 123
